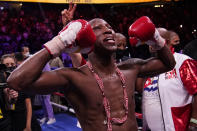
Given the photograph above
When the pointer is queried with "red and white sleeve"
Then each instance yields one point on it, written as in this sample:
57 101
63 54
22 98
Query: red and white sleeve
188 74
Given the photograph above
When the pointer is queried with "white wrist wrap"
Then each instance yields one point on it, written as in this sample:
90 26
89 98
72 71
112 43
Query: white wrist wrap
158 41
64 40
54 46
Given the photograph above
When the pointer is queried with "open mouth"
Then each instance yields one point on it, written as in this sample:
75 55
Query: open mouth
109 40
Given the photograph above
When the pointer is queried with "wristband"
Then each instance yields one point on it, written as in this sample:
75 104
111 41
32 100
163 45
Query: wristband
192 120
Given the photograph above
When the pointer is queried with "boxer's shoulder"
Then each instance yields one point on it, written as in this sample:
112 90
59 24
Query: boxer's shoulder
130 63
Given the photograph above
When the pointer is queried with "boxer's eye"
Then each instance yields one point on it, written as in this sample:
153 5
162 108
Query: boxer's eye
109 27
97 27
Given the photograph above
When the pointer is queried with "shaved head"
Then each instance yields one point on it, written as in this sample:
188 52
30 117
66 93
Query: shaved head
94 21
171 36
163 32
121 41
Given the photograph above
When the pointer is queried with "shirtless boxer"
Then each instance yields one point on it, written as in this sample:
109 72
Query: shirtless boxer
100 92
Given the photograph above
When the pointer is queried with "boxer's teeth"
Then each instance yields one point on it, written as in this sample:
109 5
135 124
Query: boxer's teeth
110 40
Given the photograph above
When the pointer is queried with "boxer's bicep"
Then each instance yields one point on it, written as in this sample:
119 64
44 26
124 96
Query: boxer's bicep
49 82
152 67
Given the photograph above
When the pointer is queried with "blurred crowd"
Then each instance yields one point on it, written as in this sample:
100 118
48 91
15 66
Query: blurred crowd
33 24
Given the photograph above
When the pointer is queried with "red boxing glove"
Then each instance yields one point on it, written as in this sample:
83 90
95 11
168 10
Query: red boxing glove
77 36
143 30
134 41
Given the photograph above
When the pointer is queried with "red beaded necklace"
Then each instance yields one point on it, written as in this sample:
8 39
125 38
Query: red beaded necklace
106 105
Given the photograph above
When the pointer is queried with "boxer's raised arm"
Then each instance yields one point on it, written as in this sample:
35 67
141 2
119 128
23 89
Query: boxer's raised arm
143 30
71 39
162 63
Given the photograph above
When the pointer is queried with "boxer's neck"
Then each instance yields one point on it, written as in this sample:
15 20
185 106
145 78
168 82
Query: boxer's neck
102 63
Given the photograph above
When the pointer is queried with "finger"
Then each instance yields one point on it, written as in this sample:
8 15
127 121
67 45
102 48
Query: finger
14 95
74 7
13 91
64 11
70 6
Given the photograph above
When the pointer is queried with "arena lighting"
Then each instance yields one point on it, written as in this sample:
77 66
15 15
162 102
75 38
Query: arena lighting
1 8
181 26
194 31
158 6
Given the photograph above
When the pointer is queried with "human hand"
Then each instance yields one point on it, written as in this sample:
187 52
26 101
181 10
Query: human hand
67 14
12 95
27 129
